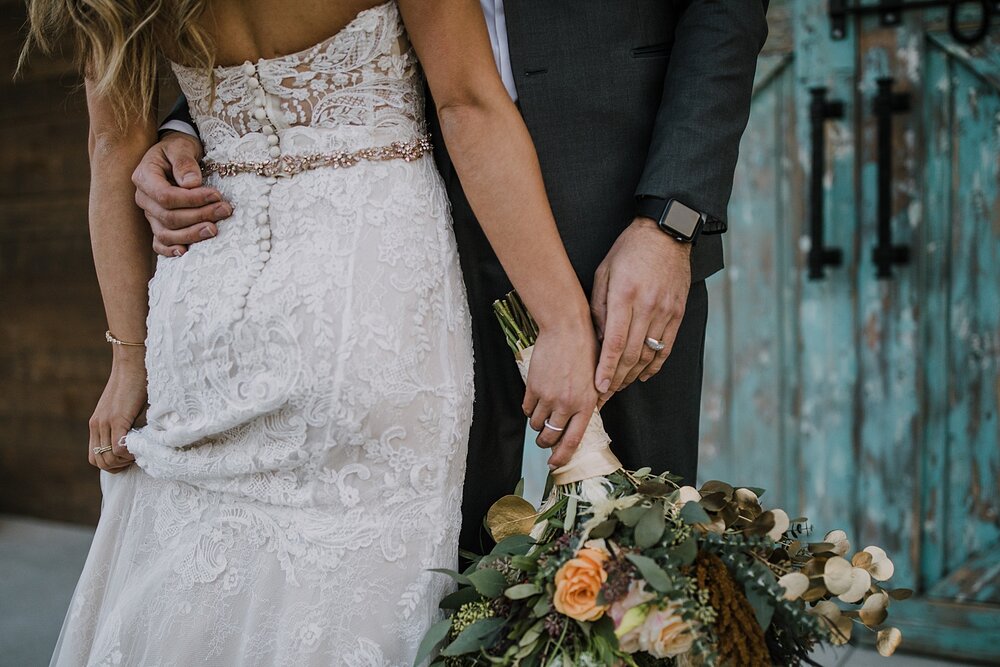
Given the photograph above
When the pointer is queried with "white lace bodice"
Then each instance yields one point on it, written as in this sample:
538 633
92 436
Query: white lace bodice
310 389
362 83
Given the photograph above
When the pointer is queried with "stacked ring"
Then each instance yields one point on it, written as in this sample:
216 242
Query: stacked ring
101 450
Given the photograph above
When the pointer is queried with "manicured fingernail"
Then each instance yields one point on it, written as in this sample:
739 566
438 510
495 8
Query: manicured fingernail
189 178
603 386
212 198
177 253
552 466
223 210
206 232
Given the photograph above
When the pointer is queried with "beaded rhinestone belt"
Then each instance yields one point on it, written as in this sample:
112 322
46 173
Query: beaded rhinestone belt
288 165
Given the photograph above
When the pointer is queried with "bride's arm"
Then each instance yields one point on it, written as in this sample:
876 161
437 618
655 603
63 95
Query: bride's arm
120 239
493 155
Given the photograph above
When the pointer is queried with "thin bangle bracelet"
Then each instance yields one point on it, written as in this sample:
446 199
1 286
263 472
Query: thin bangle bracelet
108 336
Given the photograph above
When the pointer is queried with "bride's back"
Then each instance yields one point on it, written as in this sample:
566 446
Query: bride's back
241 30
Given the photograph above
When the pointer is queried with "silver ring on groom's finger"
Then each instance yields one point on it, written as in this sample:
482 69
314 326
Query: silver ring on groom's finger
655 345
554 428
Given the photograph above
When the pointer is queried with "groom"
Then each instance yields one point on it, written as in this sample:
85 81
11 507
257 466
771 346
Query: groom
636 108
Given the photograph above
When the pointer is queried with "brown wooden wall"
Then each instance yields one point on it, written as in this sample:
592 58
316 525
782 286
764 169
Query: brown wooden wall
53 357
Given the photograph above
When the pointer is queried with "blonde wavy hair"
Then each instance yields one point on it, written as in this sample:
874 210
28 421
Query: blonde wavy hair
117 44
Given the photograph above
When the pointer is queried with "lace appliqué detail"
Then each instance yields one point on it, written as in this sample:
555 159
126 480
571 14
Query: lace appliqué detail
310 387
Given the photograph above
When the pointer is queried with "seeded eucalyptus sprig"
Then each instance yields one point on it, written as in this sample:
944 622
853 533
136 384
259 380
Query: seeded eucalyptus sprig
517 324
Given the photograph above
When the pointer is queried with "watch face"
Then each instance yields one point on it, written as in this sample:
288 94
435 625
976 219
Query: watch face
682 219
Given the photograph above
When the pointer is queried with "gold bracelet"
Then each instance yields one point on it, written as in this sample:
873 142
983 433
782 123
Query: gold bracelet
111 339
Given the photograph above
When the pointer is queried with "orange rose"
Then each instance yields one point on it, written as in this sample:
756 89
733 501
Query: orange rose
578 582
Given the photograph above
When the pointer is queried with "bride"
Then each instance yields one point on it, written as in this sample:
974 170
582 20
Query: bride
309 369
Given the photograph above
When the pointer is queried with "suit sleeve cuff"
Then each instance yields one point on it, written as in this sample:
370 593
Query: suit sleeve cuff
177 126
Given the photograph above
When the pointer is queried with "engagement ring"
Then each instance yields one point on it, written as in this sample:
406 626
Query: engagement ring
656 345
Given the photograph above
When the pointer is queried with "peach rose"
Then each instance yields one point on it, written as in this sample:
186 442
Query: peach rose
664 634
578 582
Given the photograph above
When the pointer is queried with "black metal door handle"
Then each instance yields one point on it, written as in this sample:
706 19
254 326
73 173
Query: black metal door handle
885 255
820 255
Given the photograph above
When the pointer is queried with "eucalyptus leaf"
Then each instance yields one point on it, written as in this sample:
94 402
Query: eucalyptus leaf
650 528
490 583
519 489
762 607
630 515
524 563
604 529
756 489
652 573
457 576
521 591
474 637
693 513
515 545
654 488
434 636
685 552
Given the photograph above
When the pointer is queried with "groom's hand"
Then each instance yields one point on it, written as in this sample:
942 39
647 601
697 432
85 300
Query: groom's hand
169 189
640 291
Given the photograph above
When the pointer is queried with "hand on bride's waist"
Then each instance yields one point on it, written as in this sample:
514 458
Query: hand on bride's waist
169 188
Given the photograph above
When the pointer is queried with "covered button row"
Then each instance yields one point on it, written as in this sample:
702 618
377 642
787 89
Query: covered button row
260 109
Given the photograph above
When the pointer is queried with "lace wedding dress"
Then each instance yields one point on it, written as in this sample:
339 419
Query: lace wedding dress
310 385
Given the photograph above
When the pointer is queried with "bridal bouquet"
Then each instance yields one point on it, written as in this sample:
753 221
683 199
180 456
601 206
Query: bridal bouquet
628 568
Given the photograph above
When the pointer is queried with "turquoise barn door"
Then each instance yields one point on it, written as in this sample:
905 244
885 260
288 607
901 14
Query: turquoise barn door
865 403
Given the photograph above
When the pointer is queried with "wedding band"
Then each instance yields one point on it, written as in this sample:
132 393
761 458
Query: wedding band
655 345
554 428
101 450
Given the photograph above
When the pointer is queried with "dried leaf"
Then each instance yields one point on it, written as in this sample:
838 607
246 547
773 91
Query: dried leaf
873 612
714 502
837 575
861 559
795 585
900 593
840 626
781 524
838 539
861 581
880 567
654 488
511 515
715 486
888 640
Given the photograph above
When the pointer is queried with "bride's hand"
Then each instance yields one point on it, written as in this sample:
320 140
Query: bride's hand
559 390
123 399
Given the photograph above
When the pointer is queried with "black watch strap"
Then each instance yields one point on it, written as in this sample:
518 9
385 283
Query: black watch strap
649 206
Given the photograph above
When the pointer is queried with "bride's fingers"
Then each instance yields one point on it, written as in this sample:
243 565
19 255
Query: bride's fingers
570 440
552 430
168 250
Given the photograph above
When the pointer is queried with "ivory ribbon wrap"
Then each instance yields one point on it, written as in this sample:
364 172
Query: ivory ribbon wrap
593 458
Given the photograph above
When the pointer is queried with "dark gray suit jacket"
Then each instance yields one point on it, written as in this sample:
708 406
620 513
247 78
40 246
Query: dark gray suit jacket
629 103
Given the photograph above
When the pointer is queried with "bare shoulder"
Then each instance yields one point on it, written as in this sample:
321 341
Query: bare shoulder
244 30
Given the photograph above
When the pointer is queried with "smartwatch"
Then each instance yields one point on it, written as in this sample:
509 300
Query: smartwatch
681 221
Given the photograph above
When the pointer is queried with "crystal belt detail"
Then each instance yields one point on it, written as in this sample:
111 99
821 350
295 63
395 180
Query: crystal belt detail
289 165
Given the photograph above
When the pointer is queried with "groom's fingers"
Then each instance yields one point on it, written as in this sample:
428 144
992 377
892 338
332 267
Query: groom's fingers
599 301
637 353
614 344
570 440
669 336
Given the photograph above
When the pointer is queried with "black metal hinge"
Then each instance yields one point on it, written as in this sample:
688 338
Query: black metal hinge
890 13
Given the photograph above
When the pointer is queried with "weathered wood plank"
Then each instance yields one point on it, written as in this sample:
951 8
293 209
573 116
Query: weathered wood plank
825 465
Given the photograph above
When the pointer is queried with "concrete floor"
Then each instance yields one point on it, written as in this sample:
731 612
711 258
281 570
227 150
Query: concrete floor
40 562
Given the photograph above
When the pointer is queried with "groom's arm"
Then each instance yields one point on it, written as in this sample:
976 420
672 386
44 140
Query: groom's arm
169 187
179 119
704 108
641 287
